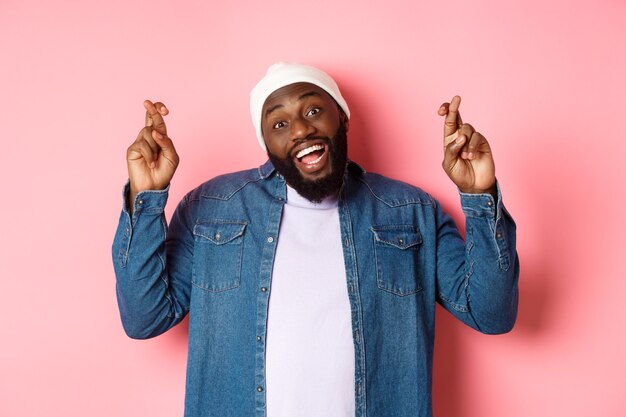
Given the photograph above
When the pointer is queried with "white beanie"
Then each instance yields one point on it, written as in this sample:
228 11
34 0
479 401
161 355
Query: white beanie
282 74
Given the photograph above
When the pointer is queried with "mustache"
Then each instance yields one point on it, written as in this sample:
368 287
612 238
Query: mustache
297 142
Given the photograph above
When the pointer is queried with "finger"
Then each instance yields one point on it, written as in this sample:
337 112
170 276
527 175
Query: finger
466 130
443 110
453 118
166 147
150 108
161 108
147 134
161 141
154 115
147 153
477 146
145 139
452 152
141 150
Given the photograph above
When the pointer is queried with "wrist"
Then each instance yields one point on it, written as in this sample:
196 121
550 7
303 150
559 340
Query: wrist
493 191
489 190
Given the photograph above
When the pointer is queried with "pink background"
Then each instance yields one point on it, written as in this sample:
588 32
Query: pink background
544 81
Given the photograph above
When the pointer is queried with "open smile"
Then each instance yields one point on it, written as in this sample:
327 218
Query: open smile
312 158
311 155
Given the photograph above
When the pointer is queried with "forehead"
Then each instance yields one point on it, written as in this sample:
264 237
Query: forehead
293 93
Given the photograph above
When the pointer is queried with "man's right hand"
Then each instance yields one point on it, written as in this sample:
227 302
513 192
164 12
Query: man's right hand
152 159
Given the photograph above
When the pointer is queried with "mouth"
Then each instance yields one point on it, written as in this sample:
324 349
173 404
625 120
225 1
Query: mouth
312 158
311 155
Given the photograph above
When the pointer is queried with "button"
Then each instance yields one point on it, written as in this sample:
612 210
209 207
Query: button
401 241
498 235
489 203
140 202
259 389
218 236
270 239
258 338
263 289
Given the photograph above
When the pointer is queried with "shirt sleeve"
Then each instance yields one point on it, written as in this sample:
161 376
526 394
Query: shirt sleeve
152 265
477 279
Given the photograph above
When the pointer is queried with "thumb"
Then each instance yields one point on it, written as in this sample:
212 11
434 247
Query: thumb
167 147
453 150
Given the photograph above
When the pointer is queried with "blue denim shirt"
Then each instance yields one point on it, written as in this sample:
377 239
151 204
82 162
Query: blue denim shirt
402 254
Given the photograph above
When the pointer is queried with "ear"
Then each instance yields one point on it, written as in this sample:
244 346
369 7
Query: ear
344 119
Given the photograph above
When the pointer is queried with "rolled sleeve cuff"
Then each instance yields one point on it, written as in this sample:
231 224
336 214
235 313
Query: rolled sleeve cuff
150 201
482 205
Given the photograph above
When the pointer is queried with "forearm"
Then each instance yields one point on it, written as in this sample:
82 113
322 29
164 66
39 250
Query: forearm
148 304
477 278
492 266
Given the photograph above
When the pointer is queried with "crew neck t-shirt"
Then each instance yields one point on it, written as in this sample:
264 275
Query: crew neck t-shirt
310 350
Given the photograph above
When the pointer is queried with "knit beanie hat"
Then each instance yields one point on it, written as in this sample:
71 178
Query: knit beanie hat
282 74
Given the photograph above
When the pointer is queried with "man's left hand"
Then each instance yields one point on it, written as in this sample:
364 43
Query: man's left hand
467 156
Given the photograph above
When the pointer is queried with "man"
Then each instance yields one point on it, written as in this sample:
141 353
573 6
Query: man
310 283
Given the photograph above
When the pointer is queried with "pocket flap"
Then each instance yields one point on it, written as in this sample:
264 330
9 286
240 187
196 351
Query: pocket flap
401 236
219 232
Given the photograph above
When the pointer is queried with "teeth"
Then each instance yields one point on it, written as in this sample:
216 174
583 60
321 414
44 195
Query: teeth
308 150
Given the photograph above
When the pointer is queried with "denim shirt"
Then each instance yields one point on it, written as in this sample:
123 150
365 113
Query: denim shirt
402 254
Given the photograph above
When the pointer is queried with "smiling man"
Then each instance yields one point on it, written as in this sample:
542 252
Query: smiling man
314 161
311 284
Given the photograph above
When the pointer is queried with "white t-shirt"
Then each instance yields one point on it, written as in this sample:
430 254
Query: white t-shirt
310 350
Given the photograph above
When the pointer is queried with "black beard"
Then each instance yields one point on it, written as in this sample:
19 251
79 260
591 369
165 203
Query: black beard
316 190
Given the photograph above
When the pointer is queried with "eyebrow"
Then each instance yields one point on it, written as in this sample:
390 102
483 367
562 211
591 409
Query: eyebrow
302 97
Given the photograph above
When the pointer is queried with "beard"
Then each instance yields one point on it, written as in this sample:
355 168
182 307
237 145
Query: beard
320 188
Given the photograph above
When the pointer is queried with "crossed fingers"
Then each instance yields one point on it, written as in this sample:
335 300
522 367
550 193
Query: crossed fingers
155 130
154 116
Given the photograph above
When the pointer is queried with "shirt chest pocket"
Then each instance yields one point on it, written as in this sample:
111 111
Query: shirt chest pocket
218 254
397 256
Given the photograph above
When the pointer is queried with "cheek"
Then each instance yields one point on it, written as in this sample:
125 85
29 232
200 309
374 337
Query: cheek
275 144
331 125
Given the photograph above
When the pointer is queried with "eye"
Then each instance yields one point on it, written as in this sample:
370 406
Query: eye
278 125
313 111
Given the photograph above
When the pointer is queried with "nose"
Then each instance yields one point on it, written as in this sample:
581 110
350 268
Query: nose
301 128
